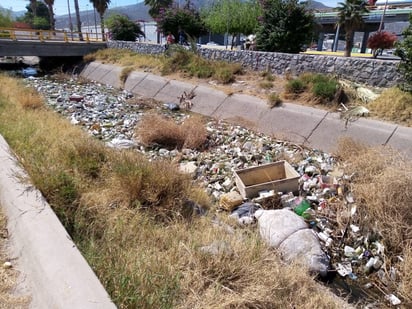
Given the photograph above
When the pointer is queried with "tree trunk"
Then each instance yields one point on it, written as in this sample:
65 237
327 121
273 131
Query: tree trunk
349 42
102 26
33 6
79 22
52 20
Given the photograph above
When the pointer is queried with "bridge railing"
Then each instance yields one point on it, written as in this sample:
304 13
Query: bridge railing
16 34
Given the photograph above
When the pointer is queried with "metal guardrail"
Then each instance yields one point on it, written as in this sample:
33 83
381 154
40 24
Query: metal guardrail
16 34
372 15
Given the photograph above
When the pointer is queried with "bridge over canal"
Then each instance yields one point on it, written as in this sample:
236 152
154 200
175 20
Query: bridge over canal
46 43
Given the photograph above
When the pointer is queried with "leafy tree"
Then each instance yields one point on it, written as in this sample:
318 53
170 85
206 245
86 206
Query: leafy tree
404 51
286 26
41 23
101 6
350 18
39 18
123 29
185 19
50 4
233 17
5 18
157 5
381 40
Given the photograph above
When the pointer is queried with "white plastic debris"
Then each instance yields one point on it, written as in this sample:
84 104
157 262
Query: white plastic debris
344 269
354 228
393 299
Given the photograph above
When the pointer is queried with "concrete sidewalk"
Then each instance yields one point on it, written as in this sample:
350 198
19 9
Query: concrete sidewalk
296 123
55 272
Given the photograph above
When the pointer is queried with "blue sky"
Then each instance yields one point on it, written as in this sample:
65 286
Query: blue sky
61 8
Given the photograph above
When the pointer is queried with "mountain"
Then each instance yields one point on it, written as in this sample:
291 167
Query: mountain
315 5
137 11
140 12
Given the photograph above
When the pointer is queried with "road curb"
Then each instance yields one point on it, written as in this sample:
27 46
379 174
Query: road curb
58 275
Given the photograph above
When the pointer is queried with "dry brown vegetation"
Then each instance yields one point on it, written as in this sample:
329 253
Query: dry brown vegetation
128 217
393 105
382 185
8 276
157 130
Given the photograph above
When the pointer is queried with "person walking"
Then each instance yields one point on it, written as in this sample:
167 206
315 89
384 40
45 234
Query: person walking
170 39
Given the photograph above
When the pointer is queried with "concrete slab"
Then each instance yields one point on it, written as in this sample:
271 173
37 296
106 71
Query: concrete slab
99 73
402 140
133 80
291 122
207 100
89 69
173 90
242 109
112 78
367 131
58 275
150 85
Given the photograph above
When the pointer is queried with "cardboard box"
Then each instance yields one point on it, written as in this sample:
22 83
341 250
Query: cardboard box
279 176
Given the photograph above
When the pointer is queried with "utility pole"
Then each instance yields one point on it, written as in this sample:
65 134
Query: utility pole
383 16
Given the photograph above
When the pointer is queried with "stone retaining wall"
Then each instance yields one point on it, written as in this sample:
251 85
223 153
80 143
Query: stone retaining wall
372 72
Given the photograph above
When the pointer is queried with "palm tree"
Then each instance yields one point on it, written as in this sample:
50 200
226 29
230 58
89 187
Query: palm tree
350 17
79 23
101 7
33 6
50 4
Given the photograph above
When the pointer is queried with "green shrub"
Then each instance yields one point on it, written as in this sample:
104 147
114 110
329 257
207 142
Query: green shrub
266 84
312 78
295 86
177 60
200 68
404 51
325 89
224 75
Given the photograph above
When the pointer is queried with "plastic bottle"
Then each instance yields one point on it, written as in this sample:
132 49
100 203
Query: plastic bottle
301 207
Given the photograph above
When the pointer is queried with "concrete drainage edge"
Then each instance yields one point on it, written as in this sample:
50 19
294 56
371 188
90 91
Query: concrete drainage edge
58 275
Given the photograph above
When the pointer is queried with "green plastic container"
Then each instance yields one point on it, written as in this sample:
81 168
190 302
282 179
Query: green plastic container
301 207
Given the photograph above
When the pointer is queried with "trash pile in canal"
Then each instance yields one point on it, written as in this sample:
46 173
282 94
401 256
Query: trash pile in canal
299 199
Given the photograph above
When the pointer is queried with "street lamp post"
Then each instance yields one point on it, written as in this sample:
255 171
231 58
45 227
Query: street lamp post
95 21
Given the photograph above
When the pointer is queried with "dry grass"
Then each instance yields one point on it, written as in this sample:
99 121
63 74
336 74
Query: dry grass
8 277
110 203
393 105
126 58
155 129
382 185
274 100
125 74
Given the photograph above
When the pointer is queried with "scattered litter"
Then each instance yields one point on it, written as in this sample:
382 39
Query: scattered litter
29 72
7 265
229 201
218 247
307 181
393 299
172 106
245 213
